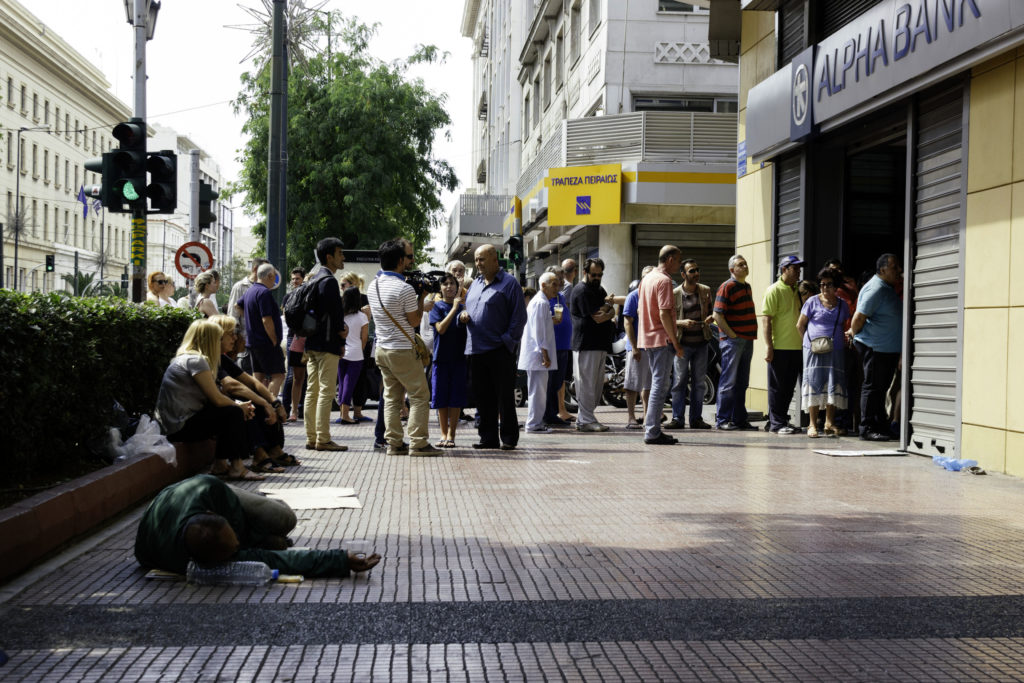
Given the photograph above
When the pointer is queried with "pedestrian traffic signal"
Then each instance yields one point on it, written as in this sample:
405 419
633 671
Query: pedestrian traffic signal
163 181
206 196
50 263
104 167
128 167
124 280
514 245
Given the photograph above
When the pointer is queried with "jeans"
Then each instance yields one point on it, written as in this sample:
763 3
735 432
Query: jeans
660 359
403 375
690 371
732 386
879 369
321 384
589 383
783 376
556 378
493 375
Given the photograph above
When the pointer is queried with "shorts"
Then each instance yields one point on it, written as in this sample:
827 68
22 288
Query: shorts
638 373
267 360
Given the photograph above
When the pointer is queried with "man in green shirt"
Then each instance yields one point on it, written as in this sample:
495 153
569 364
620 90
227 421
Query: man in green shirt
780 313
204 519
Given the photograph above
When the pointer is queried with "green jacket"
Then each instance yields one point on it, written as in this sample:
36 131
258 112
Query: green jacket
160 541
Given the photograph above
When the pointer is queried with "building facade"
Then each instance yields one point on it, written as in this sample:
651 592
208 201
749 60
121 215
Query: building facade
874 126
56 112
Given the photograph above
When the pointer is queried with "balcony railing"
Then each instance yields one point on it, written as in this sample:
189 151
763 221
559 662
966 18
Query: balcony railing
477 218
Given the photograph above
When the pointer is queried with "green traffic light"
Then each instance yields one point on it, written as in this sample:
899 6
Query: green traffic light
129 191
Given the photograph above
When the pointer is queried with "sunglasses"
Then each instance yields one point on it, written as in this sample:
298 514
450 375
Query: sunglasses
410 256
693 270
160 282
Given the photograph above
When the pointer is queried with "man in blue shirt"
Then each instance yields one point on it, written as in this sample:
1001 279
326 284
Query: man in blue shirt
495 316
877 333
264 329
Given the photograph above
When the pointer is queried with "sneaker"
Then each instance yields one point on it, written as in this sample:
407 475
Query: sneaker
875 436
399 450
331 446
379 445
728 426
508 446
699 424
556 422
427 450
592 427
673 424
539 430
662 439
788 429
747 427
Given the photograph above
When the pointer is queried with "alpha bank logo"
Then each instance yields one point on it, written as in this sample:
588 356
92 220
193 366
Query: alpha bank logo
583 205
801 94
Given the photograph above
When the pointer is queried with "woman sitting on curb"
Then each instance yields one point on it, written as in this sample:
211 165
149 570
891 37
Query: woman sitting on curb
191 407
266 431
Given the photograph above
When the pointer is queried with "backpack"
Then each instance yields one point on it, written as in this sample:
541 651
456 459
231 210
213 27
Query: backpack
299 310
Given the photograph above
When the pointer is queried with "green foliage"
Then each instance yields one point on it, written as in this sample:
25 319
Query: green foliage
66 360
360 148
79 281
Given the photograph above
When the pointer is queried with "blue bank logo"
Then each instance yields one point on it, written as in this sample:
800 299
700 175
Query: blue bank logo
583 205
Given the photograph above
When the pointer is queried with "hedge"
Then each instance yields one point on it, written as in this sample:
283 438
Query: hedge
66 361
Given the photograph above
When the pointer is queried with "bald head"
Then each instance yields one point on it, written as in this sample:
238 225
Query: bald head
569 270
486 261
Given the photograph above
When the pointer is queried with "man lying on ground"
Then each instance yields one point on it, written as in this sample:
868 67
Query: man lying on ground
204 519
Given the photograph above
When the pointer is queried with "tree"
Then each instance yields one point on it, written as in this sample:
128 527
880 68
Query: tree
360 148
79 281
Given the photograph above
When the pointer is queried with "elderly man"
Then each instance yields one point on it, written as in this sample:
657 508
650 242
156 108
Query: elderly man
780 312
877 332
693 307
568 276
657 318
265 330
637 382
737 324
593 327
235 309
538 354
495 316
555 414
397 311
204 519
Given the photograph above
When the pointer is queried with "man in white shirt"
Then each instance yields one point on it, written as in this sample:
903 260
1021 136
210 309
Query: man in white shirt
397 311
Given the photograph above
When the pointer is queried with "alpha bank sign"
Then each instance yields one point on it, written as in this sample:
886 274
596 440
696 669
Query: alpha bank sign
890 45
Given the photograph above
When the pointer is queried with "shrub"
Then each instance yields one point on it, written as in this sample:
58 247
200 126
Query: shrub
66 361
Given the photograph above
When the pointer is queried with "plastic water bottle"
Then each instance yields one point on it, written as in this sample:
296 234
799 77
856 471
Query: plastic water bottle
231 574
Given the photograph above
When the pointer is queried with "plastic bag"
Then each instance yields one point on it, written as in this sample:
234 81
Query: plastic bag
147 440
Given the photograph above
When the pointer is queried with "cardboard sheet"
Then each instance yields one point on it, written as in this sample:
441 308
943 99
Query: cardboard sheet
315 497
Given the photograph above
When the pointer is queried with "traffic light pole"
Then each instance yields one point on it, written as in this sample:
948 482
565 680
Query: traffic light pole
139 17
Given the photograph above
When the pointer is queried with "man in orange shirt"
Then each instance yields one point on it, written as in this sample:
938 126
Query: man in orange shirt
657 321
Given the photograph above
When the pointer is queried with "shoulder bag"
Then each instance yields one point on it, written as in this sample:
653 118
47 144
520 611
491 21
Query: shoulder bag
418 345
823 345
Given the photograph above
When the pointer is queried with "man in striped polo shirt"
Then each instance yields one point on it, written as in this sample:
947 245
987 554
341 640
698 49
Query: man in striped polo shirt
737 324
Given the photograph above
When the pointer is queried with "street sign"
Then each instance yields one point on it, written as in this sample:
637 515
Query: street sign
193 258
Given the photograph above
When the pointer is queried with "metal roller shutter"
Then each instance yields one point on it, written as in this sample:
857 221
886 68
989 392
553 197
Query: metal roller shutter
711 245
792 26
936 344
789 191
834 14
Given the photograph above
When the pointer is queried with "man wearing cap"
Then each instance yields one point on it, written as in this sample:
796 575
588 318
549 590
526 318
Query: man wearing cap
779 314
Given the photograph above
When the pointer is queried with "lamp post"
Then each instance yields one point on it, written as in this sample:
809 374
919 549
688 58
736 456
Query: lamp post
19 221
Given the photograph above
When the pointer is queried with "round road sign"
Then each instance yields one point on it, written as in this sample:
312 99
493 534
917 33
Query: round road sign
193 258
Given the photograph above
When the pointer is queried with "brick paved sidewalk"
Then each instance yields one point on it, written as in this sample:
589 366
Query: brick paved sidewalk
576 557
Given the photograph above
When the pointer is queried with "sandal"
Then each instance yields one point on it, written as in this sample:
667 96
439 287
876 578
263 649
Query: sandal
443 443
812 432
245 476
292 418
286 460
266 466
830 431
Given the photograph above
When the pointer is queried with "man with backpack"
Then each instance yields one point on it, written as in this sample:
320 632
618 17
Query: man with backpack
324 345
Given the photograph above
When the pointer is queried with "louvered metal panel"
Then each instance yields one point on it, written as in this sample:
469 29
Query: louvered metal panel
604 139
793 38
935 282
788 203
834 14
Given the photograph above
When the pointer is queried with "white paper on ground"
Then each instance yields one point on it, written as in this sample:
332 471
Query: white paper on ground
315 497
859 453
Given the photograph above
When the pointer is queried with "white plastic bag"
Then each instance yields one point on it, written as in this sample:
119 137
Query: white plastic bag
147 440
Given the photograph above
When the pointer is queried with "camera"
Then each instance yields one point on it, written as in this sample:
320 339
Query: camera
429 282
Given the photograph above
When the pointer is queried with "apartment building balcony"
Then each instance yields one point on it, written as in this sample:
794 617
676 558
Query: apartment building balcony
475 220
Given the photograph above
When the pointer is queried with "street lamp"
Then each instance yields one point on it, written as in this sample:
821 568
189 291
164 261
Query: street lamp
19 221
152 8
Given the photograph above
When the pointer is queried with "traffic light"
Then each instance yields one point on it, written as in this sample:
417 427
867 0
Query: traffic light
206 196
104 167
124 281
514 246
163 187
50 263
127 167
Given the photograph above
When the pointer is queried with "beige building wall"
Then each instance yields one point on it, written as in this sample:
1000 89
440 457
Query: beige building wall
993 374
754 191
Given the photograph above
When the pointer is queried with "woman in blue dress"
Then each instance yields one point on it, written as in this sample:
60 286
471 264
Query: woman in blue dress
448 372
824 383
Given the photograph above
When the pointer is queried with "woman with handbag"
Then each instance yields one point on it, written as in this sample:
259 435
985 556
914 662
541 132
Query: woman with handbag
821 325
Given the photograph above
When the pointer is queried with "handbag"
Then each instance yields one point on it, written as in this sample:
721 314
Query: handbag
823 345
419 346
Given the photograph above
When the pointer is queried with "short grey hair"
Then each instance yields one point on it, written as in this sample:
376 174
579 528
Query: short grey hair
265 271
454 263
546 278
734 258
557 270
646 271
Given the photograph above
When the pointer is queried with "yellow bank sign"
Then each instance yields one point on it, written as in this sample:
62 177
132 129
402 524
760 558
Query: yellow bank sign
584 194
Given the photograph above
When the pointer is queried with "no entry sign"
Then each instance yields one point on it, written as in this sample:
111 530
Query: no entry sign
193 258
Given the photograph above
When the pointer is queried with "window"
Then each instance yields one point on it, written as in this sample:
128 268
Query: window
10 149
56 170
67 175
594 15
35 107
674 6
574 34
74 234
67 127
46 112
559 60
56 120
94 140
21 152
77 140
46 220
75 186
536 100
66 224
35 222
10 92
46 166
24 100
547 82
728 106
526 117
35 160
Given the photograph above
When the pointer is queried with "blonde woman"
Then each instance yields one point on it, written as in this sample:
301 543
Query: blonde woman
207 285
191 407
158 289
